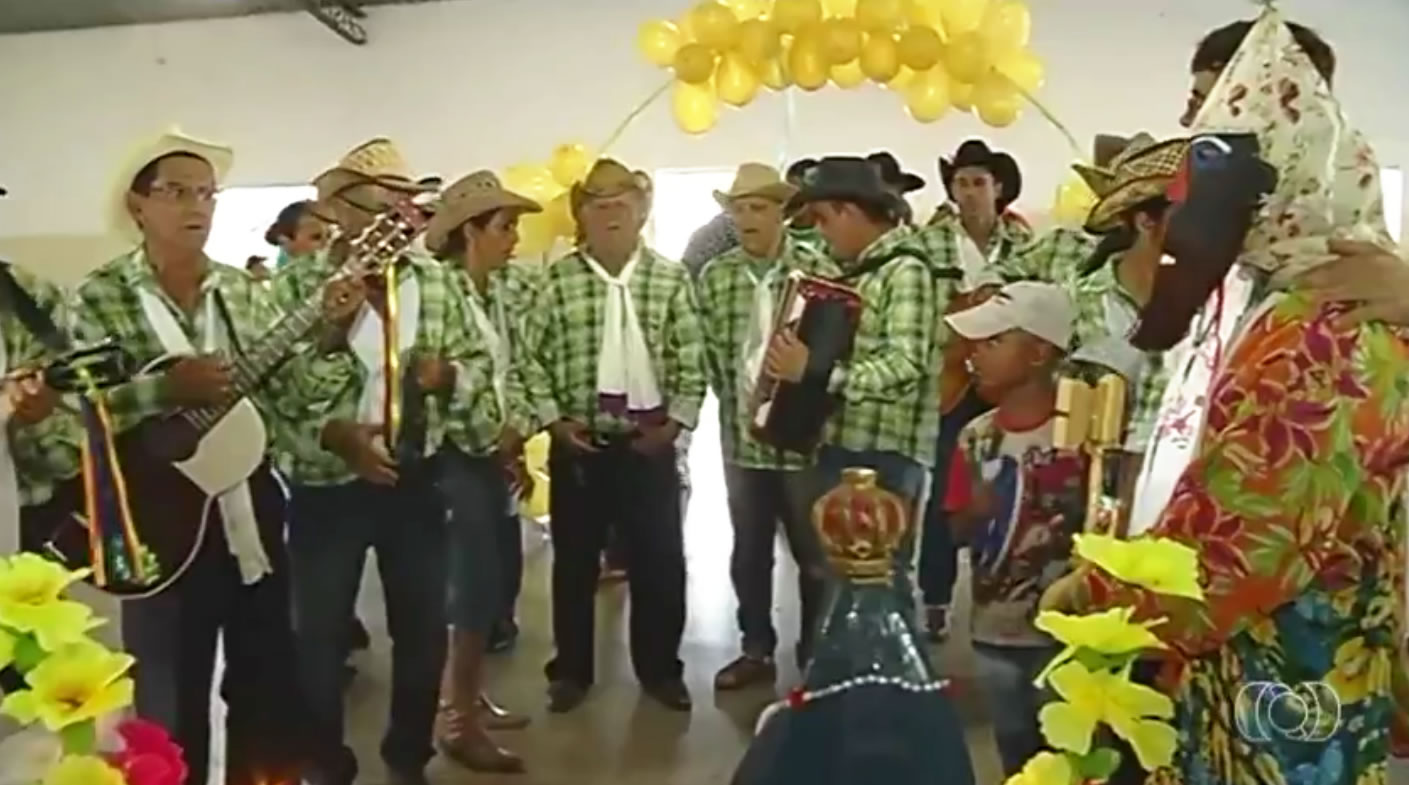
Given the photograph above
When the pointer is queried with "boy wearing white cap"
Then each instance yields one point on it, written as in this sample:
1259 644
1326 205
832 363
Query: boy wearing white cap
1015 499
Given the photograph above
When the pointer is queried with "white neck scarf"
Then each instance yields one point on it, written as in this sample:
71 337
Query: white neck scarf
9 483
972 260
624 371
760 325
365 339
496 335
237 504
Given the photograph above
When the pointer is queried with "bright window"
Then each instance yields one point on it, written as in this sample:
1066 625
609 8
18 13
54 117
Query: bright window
684 201
242 215
1392 182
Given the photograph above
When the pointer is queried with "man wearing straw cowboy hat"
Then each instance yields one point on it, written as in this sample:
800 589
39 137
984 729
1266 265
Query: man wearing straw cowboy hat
474 231
166 297
351 495
738 292
613 361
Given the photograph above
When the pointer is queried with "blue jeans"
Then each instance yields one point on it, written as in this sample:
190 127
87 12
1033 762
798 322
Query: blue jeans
902 476
939 555
1004 675
486 546
330 531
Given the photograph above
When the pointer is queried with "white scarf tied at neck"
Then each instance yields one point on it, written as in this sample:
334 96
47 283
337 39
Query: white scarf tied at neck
624 372
760 325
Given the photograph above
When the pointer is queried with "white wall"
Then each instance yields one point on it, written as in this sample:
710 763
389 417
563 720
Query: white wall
476 83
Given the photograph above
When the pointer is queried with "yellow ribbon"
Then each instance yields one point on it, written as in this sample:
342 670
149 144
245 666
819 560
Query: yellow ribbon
632 115
391 351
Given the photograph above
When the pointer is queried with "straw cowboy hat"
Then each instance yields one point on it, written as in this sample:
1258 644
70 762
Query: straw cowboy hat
471 195
760 180
374 162
608 178
170 142
1003 167
1104 149
1140 172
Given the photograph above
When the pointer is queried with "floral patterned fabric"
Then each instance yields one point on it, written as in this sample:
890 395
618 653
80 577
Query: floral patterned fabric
1297 471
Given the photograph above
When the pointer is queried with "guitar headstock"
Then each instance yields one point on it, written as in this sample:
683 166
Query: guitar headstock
389 235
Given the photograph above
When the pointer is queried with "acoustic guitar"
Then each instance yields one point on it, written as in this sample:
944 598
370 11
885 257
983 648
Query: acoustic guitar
175 466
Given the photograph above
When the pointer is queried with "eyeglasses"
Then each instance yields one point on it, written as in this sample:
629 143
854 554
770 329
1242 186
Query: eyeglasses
178 193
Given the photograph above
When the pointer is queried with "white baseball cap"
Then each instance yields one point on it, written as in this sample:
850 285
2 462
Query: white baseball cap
1041 309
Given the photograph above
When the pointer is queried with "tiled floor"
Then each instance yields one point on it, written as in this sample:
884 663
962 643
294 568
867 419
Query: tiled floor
617 737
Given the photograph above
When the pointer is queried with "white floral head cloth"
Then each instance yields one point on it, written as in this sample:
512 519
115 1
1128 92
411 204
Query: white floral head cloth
1328 180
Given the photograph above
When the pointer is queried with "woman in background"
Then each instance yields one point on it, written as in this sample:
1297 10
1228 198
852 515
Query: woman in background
298 232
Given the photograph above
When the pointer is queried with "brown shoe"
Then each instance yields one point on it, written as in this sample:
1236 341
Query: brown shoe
496 717
470 747
746 671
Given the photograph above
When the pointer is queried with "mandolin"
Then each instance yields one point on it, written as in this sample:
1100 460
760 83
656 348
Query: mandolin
175 465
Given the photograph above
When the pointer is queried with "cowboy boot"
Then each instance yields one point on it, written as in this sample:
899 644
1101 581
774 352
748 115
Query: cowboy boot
461 735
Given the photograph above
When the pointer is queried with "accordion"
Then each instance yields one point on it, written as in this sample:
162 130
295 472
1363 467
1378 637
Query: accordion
824 314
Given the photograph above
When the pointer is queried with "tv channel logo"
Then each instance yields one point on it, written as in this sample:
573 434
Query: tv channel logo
1306 712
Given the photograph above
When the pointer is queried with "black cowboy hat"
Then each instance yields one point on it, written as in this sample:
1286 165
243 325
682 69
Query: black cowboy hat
799 169
845 179
976 152
902 181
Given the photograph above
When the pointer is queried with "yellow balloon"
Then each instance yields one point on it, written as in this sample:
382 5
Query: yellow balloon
1074 201
848 75
920 48
902 79
1024 68
560 217
714 25
536 235
841 40
807 63
775 74
686 26
962 16
966 58
880 16
880 60
924 13
569 164
694 63
658 40
745 10
792 15
927 96
961 94
839 9
735 81
757 40
694 107
534 181
997 101
1007 26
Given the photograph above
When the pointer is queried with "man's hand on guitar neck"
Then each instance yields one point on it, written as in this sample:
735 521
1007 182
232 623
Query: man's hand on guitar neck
31 401
194 382
342 299
360 447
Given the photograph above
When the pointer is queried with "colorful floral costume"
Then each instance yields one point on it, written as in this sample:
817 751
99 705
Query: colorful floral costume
1292 493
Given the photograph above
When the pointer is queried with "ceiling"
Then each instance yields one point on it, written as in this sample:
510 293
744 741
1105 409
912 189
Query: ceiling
27 16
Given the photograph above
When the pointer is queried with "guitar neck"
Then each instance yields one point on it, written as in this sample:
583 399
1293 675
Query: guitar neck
250 370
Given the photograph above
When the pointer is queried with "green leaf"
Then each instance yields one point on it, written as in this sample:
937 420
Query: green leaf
1099 764
28 653
80 738
1348 469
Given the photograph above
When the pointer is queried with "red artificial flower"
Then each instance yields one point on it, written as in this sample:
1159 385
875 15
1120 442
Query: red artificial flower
149 756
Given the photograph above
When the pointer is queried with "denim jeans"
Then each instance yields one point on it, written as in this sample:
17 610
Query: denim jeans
939 555
486 546
896 473
330 531
1004 676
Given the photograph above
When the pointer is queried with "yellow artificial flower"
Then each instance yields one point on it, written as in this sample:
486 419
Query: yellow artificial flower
1359 671
1161 565
1135 712
1045 768
80 682
83 770
30 601
7 649
1108 632
1375 774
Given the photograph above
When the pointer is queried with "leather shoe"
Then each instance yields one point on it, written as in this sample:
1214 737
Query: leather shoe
564 696
671 694
496 717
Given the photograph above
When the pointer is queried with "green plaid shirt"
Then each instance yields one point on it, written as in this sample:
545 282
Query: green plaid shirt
890 387
1055 257
508 295
562 335
1105 312
940 241
107 304
328 386
46 452
726 296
